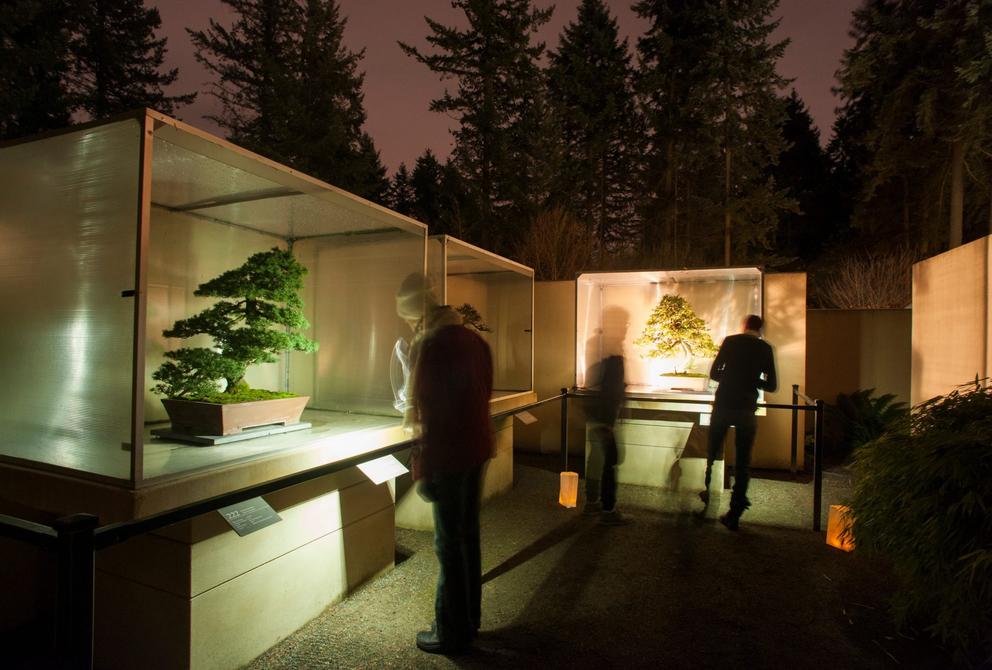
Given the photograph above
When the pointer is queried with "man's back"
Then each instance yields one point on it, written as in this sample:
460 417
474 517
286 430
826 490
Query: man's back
739 366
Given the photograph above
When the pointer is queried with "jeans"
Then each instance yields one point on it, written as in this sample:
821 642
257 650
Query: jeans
746 425
458 602
603 451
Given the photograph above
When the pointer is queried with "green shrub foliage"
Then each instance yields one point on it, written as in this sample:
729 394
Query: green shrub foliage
923 500
258 317
861 417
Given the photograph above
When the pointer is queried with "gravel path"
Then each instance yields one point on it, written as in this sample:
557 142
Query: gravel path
672 590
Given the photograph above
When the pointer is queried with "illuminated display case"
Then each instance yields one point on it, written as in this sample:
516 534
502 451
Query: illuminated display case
667 324
108 229
650 314
501 292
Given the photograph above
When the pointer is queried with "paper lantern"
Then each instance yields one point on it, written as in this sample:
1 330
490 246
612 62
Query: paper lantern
838 523
569 489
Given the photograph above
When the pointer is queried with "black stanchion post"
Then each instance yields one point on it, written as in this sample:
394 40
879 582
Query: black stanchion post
818 467
795 426
564 429
74 606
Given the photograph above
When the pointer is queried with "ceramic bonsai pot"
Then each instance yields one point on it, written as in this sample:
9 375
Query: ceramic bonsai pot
208 418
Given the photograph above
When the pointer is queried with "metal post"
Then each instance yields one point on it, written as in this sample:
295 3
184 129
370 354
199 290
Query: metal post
795 426
74 604
564 429
818 466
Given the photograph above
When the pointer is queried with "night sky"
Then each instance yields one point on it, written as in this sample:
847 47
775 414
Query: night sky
398 89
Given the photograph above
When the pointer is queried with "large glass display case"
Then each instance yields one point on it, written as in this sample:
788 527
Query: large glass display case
501 293
108 229
666 323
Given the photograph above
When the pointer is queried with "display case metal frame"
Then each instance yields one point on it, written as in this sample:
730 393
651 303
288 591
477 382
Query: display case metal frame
368 218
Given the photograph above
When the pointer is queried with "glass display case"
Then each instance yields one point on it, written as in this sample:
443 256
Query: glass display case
108 228
498 294
667 324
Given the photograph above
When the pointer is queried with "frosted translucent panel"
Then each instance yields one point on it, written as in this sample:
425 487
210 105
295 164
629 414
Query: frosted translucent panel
351 304
618 304
501 291
68 220
183 252
218 182
503 300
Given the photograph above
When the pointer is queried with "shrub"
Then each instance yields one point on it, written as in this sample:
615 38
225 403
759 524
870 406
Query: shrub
923 500
860 417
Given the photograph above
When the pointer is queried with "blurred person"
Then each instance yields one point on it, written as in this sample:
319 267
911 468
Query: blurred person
605 375
418 307
453 380
744 364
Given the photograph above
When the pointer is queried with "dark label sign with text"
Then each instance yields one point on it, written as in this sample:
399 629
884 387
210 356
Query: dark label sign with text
248 516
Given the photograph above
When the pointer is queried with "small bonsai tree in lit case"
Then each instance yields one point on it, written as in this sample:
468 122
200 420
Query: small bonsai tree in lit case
258 317
471 317
674 328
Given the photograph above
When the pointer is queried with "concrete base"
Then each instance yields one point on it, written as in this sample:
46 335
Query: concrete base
196 595
664 452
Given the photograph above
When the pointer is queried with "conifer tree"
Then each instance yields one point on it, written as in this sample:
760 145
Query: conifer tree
591 89
428 193
710 89
803 170
919 80
34 60
290 90
494 65
402 197
117 60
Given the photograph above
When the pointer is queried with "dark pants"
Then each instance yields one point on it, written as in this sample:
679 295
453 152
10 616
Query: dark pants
603 450
746 426
458 603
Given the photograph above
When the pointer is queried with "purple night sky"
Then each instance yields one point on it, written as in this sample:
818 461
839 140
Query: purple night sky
398 89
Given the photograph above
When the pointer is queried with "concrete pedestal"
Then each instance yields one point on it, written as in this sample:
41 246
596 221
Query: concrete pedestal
661 449
196 595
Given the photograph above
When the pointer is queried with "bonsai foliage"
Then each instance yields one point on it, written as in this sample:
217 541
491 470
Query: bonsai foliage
674 327
471 317
923 500
256 319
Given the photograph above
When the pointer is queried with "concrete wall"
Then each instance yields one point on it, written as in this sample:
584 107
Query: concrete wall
852 349
784 306
554 369
951 309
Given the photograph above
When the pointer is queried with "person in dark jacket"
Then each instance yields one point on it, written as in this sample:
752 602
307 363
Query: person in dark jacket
453 381
744 364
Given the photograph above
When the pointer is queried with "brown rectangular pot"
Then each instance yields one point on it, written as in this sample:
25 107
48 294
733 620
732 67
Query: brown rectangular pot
208 418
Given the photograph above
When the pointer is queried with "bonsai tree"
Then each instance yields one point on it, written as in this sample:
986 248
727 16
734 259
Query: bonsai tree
471 317
258 317
674 327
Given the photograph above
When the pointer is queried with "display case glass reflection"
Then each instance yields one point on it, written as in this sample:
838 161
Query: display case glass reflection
666 324
497 295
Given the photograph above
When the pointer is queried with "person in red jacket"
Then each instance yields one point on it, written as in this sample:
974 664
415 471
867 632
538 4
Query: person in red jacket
453 382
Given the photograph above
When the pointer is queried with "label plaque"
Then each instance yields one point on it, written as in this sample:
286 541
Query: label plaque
248 516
